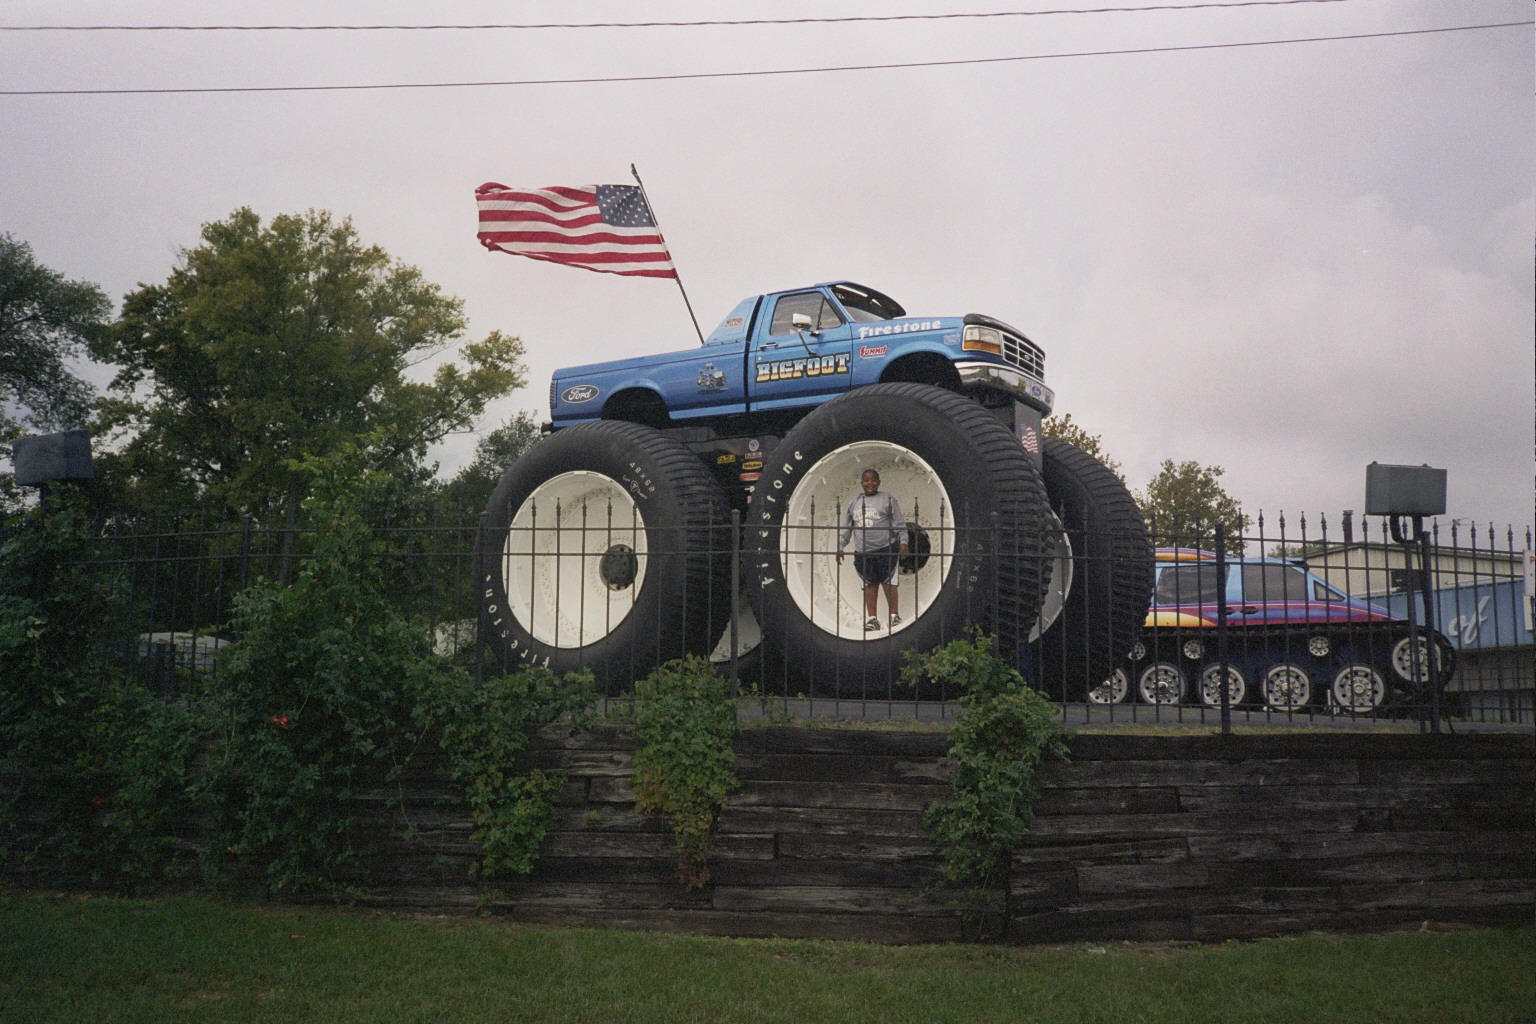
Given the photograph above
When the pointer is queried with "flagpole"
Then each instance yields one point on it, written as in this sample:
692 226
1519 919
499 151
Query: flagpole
676 276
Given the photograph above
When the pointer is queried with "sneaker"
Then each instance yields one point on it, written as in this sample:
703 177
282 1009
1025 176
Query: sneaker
895 621
871 625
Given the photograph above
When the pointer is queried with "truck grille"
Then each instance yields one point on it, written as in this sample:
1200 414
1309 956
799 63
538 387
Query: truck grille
1023 354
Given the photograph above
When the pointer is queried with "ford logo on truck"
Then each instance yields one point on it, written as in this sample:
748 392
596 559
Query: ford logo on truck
579 393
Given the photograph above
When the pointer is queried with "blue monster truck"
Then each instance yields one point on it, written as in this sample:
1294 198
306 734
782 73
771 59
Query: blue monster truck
608 545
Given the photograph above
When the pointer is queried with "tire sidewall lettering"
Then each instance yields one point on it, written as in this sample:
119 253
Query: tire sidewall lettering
667 493
988 482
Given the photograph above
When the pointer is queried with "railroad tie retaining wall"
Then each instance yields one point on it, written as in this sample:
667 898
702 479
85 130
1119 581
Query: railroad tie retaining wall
1137 837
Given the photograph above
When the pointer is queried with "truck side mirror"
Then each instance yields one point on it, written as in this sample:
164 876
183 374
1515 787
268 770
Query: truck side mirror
802 322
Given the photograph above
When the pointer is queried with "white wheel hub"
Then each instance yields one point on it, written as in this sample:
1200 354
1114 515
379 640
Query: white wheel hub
1112 690
1211 684
1059 586
574 559
1287 688
832 595
1162 683
1412 658
1359 688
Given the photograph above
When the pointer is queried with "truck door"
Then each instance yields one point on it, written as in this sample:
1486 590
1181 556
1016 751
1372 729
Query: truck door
790 367
1283 593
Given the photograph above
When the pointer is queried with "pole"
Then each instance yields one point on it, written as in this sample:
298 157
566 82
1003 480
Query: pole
735 602
1420 540
1223 666
1431 650
675 275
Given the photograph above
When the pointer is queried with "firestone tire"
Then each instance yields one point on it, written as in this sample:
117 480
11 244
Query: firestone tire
958 472
1109 582
599 551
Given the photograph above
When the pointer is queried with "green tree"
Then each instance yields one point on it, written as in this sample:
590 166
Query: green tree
1063 428
44 320
1184 502
471 487
271 343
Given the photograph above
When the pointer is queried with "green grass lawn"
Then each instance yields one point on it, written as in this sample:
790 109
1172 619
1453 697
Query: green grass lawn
98 960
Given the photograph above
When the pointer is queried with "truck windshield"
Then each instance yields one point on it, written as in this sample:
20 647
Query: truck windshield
864 307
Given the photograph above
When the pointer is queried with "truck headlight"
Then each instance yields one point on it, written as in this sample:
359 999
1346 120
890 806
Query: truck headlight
982 339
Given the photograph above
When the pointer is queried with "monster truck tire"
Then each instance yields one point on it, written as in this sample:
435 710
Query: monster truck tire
600 550
1109 585
957 471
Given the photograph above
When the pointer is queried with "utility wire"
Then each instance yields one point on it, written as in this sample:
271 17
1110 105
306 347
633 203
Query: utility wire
655 24
747 74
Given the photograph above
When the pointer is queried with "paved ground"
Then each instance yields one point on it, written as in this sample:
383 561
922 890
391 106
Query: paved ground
1080 716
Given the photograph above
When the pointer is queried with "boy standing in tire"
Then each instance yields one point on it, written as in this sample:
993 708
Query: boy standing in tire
879 533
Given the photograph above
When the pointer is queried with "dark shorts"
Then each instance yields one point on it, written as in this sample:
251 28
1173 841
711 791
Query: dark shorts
878 566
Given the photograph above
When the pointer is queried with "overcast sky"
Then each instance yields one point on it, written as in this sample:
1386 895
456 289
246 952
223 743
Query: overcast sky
1285 260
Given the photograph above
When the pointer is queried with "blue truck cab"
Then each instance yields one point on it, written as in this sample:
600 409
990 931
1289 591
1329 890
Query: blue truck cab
776 356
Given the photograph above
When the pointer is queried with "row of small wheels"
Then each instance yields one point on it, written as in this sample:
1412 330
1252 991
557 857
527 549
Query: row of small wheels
606 547
1322 672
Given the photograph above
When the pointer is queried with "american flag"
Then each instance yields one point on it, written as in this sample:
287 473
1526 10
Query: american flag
606 228
1030 440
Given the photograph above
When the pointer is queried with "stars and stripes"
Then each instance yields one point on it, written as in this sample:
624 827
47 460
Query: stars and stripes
1030 440
606 228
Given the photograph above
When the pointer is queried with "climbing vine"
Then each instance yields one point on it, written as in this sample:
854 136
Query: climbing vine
1006 732
485 731
686 765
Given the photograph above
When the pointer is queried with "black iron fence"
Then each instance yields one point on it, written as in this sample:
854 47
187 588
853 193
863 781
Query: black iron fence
1301 619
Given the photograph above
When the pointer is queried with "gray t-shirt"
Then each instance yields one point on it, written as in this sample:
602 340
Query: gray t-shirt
873 521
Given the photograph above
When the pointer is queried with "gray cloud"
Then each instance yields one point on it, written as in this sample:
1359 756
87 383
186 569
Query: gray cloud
1287 260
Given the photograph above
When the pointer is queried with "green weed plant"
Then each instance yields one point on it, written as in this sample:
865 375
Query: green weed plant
1005 732
686 765
485 730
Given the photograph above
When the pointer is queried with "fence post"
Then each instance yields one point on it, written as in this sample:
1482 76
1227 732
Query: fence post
474 575
245 550
1222 667
1432 674
735 601
1425 584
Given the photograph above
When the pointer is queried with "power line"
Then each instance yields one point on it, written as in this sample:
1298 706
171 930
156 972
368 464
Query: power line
655 24
747 74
